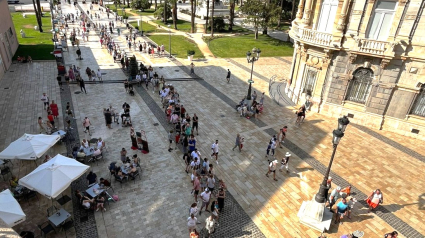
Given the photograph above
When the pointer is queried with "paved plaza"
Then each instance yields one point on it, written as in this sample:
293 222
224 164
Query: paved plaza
157 203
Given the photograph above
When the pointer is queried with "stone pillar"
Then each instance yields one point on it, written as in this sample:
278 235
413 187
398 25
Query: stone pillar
307 13
300 10
343 16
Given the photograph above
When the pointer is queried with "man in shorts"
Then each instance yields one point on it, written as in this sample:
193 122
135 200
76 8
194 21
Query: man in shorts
228 75
196 187
86 125
214 148
205 196
272 169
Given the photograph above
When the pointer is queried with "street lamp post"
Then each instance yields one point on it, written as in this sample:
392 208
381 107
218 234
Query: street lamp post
123 9
169 29
251 57
337 135
313 213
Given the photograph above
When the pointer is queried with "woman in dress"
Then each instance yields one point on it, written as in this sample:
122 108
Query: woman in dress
133 139
71 74
220 199
374 199
108 118
54 108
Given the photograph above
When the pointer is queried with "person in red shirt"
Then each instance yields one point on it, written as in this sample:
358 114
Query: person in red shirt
177 139
51 119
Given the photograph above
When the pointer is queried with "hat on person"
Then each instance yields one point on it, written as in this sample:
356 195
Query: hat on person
275 161
338 188
287 154
206 190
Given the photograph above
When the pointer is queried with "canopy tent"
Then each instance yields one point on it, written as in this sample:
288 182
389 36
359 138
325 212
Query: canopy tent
10 210
53 177
29 147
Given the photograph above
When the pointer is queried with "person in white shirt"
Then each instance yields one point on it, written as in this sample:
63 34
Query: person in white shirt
195 154
99 75
272 169
209 225
191 222
195 164
205 196
45 100
214 148
138 79
211 183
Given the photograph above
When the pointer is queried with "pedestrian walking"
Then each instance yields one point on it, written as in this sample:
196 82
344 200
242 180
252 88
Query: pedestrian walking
214 148
269 147
191 223
220 198
273 147
192 68
82 85
211 183
78 51
228 75
40 124
205 196
241 143
51 119
59 79
209 225
238 142
196 187
374 199
285 162
195 124
170 140
118 31
272 169
45 100
86 125
99 75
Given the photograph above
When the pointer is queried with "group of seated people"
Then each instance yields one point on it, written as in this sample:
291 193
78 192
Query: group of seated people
24 60
248 111
91 203
79 153
130 168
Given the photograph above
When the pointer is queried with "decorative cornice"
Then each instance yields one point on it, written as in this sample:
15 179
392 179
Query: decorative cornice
357 12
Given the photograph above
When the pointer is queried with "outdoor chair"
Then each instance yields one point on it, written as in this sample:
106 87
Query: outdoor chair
137 174
5 171
30 195
51 210
67 225
120 180
46 228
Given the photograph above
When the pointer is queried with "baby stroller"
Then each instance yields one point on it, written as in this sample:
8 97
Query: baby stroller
126 121
142 142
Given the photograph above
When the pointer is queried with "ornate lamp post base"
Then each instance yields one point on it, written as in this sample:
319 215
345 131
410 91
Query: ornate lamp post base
315 215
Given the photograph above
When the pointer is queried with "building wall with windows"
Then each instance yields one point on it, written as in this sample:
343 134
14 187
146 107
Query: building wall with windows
362 58
8 40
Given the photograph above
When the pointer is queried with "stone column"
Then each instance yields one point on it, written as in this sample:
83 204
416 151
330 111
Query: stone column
307 13
300 10
343 16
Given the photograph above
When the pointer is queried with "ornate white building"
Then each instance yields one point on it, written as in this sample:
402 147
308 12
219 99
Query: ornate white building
362 58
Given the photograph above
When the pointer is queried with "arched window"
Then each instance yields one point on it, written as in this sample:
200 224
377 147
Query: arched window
360 85
419 106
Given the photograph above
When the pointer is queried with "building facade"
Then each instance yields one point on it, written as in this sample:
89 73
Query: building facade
364 59
8 39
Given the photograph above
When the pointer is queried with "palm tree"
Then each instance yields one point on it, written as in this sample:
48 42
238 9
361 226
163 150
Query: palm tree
37 10
192 16
212 18
174 2
232 14
206 20
156 5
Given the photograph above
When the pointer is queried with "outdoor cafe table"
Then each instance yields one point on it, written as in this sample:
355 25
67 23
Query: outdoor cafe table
92 194
59 217
125 169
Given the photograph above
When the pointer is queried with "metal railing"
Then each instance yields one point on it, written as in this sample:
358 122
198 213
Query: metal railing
276 94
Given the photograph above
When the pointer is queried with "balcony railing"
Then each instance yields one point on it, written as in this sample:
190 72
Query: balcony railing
312 36
372 46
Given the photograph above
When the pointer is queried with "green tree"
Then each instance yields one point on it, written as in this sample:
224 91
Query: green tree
174 10
206 19
140 4
212 18
219 24
133 67
117 2
192 16
260 14
159 13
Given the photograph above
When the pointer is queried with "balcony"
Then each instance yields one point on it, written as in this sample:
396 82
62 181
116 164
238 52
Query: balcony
374 47
311 36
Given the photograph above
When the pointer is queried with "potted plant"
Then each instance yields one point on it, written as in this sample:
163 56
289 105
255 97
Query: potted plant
190 54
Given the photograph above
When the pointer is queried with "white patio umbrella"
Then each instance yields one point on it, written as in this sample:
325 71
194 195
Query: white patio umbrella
10 210
29 147
53 177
